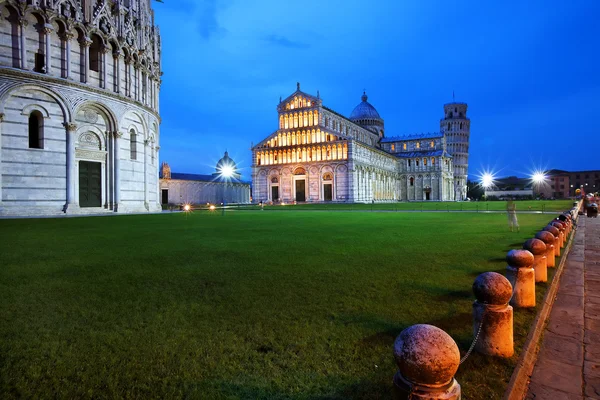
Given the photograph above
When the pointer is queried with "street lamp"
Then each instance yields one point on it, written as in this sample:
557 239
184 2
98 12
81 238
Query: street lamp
487 180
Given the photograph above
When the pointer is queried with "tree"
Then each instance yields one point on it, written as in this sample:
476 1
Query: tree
474 190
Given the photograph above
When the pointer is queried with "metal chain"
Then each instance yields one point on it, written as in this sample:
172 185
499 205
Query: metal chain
462 360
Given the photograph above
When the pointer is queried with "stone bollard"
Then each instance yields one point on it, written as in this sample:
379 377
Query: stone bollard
548 240
493 292
564 218
540 265
521 276
561 227
427 359
553 230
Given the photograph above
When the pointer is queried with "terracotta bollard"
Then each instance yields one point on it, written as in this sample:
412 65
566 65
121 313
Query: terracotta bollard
561 227
493 292
540 266
548 240
553 230
564 218
521 275
427 359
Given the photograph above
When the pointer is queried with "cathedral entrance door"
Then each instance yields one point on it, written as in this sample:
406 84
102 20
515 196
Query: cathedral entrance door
90 184
328 192
300 190
427 196
274 193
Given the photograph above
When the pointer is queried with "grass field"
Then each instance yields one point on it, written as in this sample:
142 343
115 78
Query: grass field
548 206
250 305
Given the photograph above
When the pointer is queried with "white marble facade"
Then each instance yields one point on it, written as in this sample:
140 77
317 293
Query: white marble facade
79 90
319 155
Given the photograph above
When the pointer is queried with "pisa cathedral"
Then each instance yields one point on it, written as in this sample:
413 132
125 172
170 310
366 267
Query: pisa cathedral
79 109
319 155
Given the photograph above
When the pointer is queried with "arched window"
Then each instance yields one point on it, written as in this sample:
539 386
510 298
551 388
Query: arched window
409 163
133 145
417 162
432 161
281 122
95 49
404 146
274 180
36 130
393 147
285 122
412 181
418 145
432 144
448 125
425 162
328 177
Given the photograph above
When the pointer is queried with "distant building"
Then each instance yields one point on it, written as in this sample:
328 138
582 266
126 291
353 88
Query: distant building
563 184
320 155
511 187
223 186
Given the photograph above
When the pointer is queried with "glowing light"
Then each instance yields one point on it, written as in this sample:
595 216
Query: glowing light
187 208
212 207
227 171
487 180
538 177
282 203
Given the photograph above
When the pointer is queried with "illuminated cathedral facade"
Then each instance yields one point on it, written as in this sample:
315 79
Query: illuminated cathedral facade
319 155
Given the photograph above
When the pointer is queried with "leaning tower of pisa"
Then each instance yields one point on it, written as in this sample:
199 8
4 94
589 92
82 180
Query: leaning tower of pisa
79 106
457 129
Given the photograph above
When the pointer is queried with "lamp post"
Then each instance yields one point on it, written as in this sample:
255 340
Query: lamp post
226 172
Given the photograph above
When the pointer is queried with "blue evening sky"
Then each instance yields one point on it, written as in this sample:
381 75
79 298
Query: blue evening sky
529 70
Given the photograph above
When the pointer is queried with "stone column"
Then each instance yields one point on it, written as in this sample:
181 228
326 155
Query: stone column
110 170
548 240
103 78
117 61
427 359
67 38
553 230
23 42
71 166
128 76
155 172
521 275
117 167
1 120
493 316
47 38
146 185
540 266
86 43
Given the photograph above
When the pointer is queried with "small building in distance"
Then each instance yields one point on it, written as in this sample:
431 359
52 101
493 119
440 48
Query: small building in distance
511 187
563 184
223 186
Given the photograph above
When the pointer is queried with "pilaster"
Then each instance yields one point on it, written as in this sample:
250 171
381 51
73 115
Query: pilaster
71 167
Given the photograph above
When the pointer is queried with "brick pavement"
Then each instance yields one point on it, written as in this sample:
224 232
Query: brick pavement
568 365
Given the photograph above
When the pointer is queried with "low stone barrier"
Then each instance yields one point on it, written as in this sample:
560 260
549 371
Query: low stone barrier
428 358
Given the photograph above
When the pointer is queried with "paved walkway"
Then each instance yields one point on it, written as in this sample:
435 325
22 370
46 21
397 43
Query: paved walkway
568 365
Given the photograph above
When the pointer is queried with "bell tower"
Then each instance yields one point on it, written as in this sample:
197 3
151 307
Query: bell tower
457 129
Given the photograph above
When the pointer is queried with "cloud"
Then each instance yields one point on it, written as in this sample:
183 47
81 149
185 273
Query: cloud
208 24
282 41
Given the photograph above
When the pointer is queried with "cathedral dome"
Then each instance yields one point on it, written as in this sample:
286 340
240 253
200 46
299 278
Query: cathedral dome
227 168
364 111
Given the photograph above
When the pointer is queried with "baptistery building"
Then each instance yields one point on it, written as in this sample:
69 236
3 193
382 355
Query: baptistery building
79 106
317 154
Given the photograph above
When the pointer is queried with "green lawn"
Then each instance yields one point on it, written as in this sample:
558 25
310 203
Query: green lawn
250 305
548 206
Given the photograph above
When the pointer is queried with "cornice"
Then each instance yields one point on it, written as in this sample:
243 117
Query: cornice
36 77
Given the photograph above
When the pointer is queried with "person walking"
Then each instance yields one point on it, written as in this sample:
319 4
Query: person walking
511 211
